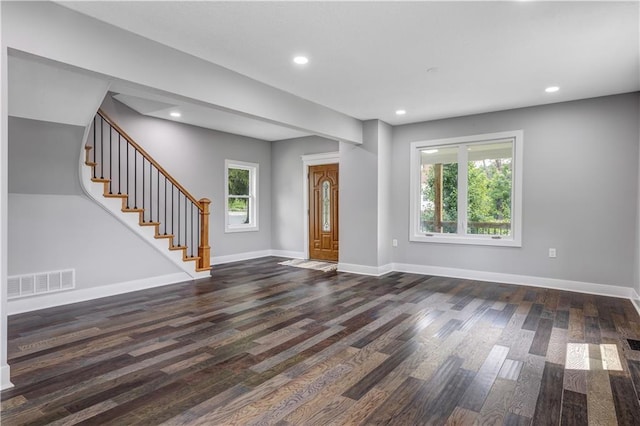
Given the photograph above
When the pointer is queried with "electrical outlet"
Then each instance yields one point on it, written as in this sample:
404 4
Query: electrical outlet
394 242
552 252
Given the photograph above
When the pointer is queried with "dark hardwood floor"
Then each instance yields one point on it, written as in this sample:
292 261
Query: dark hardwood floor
261 343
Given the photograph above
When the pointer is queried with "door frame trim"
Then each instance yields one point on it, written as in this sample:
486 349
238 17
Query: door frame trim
312 160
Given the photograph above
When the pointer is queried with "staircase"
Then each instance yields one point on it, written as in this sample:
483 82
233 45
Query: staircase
121 176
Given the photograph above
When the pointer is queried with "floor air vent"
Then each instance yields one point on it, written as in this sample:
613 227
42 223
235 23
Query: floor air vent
634 344
40 283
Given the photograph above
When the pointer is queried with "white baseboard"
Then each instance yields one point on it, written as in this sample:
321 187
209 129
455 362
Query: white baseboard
34 303
375 271
552 283
218 260
5 383
287 253
497 277
80 295
635 300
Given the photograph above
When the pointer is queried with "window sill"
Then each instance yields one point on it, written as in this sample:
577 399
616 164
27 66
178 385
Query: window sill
231 230
468 240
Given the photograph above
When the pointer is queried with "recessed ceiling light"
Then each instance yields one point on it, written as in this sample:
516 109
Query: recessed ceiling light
552 89
401 112
301 60
175 114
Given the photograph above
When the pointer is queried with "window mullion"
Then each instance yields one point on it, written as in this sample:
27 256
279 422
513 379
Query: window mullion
463 172
416 190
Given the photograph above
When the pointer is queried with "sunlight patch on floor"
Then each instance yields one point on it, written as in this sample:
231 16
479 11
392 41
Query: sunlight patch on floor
578 357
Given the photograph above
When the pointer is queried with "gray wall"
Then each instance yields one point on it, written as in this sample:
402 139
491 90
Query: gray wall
195 157
580 191
43 157
580 194
53 226
51 232
287 223
359 199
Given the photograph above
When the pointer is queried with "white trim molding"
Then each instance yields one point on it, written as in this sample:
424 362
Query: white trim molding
218 260
18 306
322 158
238 257
635 300
5 378
533 281
462 145
470 274
374 271
312 160
252 196
287 253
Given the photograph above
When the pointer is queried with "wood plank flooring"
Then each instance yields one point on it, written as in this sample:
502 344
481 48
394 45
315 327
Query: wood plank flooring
259 343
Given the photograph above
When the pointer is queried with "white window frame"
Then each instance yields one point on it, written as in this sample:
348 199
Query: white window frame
253 169
415 233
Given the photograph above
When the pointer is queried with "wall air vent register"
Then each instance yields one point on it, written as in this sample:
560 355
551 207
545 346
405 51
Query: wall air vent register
40 283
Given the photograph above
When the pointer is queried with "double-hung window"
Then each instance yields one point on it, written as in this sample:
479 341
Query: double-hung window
467 190
241 196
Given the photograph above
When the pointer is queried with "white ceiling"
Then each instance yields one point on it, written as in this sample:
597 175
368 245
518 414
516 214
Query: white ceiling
434 59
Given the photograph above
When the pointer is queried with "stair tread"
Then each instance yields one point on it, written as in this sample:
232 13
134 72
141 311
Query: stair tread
132 210
90 163
88 147
148 223
163 236
116 195
103 180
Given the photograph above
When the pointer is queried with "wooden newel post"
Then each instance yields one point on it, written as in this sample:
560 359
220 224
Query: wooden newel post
204 251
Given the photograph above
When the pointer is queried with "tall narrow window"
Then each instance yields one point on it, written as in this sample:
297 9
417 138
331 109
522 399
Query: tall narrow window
241 200
467 190
326 206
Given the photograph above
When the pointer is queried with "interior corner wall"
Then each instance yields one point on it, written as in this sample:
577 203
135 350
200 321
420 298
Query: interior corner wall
384 193
195 156
5 381
580 192
287 209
